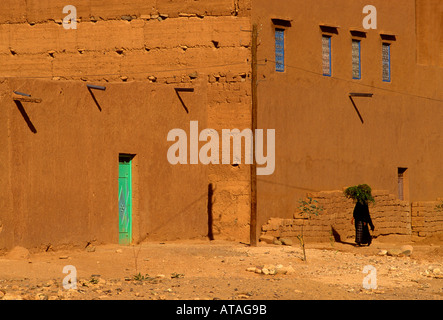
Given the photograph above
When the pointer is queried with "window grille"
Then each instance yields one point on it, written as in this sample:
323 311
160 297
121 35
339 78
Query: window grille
386 54
356 59
279 50
326 55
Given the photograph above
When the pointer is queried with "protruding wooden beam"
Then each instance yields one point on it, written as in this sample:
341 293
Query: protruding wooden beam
22 97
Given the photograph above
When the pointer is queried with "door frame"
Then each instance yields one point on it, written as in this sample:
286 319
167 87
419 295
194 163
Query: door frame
126 159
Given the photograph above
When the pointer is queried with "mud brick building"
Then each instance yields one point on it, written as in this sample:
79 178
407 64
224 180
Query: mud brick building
85 114
353 106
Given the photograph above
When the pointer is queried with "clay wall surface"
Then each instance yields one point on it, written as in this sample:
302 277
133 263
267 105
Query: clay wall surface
429 32
60 174
60 180
229 100
427 219
123 40
389 216
68 144
37 11
325 140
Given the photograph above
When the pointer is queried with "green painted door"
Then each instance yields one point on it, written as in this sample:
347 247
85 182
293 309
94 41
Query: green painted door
125 200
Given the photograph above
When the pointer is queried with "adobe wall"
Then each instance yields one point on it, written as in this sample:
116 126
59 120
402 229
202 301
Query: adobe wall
323 140
429 14
60 177
123 41
426 218
36 11
59 182
389 215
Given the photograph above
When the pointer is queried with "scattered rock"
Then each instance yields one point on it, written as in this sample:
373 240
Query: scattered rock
63 257
267 239
288 270
50 283
90 249
41 296
18 253
279 269
9 296
271 269
382 252
276 242
406 250
286 241
394 252
118 251
433 271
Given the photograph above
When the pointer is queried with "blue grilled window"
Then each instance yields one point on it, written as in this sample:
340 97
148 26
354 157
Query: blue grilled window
326 56
356 59
386 56
279 50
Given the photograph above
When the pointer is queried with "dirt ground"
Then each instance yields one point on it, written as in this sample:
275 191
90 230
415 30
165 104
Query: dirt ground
218 270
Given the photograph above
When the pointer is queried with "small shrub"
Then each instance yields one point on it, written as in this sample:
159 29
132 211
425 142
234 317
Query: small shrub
177 275
140 277
93 280
307 208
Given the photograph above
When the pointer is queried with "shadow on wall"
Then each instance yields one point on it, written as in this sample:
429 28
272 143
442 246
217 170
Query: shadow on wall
186 211
95 100
210 218
25 116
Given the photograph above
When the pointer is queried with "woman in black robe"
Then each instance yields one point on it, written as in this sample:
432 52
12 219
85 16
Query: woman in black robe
362 223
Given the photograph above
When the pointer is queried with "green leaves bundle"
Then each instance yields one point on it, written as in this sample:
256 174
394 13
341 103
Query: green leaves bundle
361 193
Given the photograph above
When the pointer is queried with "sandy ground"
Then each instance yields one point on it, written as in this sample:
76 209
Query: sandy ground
218 270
